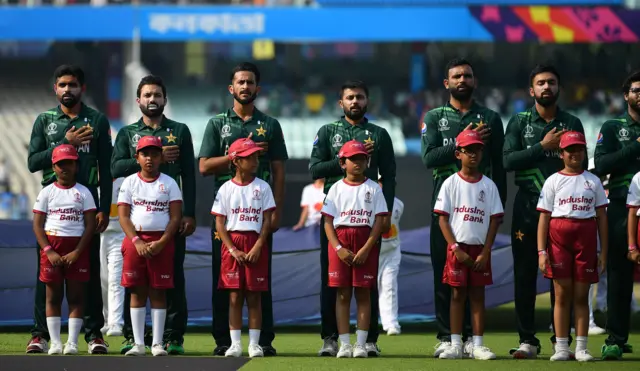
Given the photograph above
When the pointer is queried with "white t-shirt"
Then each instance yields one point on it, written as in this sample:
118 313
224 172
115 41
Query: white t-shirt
312 198
572 196
64 208
391 239
354 205
633 197
244 205
149 201
469 206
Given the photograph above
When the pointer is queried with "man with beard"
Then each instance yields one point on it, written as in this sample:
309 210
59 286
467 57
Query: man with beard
178 161
241 121
324 163
439 131
531 149
72 122
617 154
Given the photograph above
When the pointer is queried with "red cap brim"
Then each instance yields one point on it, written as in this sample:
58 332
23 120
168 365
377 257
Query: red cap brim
354 153
573 143
470 142
147 146
248 152
65 157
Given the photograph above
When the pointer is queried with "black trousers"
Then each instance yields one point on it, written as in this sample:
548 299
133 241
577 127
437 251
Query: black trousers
329 326
177 312
93 318
220 299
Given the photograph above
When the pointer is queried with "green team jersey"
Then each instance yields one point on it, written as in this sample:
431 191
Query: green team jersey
440 128
523 152
617 154
94 160
324 162
225 128
172 133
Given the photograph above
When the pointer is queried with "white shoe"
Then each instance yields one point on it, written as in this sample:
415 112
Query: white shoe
372 349
561 355
453 352
441 347
70 348
346 351
467 349
482 353
572 356
393 331
115 330
329 348
37 345
255 350
235 350
360 351
104 329
596 330
55 348
98 346
525 351
137 350
158 350
584 356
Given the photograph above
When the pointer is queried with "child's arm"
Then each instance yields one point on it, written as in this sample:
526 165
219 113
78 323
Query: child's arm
343 252
632 233
175 218
372 241
254 253
447 232
221 228
43 242
543 234
483 258
90 226
124 216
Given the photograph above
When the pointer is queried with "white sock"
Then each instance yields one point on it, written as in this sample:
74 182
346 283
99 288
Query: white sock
477 341
235 336
254 336
562 344
75 325
456 340
361 337
344 339
158 317
581 343
137 324
53 325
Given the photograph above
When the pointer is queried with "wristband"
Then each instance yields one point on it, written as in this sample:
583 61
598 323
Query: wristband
47 248
633 248
232 249
454 246
338 247
542 252
136 238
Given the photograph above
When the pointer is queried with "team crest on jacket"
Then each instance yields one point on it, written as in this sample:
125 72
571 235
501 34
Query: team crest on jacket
135 139
443 124
481 196
367 197
337 140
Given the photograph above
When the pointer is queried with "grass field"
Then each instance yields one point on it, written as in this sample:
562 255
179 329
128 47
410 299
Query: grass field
413 350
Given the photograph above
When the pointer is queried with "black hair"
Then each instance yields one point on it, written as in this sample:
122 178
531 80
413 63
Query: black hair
455 63
248 67
69 70
634 77
354 84
543 68
151 80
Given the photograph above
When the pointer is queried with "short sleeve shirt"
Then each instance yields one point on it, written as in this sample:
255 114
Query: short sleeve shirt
354 205
312 199
244 205
64 208
572 196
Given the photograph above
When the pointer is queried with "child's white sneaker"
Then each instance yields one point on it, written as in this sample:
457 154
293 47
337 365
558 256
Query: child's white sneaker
467 349
158 350
137 350
255 350
441 347
359 351
235 350
561 355
584 356
70 348
452 352
55 348
346 351
482 353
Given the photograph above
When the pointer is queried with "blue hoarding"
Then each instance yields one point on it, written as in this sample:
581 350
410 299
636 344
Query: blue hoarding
466 2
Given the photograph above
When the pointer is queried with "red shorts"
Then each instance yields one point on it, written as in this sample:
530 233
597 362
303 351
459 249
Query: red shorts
458 274
342 275
250 277
78 271
573 250
156 272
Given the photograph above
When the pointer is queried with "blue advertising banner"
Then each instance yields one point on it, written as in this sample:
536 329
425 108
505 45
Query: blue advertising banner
396 3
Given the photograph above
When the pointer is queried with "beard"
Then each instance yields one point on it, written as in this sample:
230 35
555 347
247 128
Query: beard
357 115
154 111
548 100
69 100
634 106
461 95
247 100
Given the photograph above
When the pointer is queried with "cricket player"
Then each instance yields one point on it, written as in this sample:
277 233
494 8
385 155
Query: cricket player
72 122
353 209
111 269
64 223
388 268
178 162
324 163
572 215
617 153
531 149
243 120
439 131
150 212
470 210
242 209
311 204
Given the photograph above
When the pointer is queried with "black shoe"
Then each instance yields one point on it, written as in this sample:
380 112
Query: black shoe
220 350
269 351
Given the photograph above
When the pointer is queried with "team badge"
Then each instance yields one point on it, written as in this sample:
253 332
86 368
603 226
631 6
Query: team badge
624 134
481 196
443 124
337 140
256 194
528 131
77 197
52 129
162 189
315 140
225 131
423 130
599 141
135 139
367 197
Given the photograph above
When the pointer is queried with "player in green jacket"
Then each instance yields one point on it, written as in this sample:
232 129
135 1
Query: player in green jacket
617 154
439 131
72 122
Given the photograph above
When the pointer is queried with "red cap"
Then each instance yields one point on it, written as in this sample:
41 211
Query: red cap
149 141
243 147
468 137
64 152
352 148
571 138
